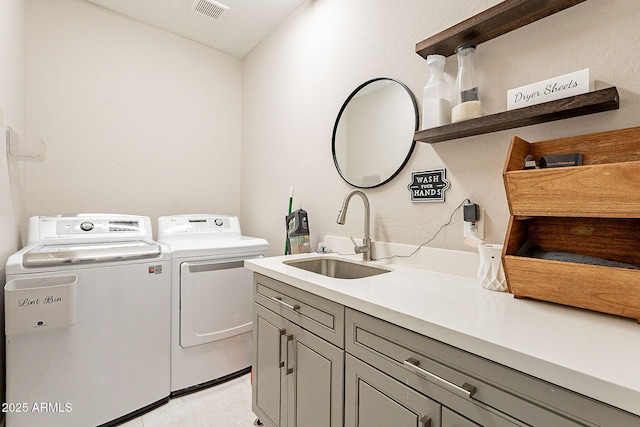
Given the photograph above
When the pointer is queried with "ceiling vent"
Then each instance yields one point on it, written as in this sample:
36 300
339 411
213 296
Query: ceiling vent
209 8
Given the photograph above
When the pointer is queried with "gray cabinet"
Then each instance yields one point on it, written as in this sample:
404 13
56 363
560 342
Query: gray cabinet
375 399
319 364
473 391
297 376
269 385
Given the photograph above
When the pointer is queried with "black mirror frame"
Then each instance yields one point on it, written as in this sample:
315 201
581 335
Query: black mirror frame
344 106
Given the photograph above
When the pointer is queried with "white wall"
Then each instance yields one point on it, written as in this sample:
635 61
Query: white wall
12 113
297 79
136 119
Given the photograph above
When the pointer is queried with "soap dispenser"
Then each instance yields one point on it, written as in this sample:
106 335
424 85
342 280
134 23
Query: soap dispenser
436 96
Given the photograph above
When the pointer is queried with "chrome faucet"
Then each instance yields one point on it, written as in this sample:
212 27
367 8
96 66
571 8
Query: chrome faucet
365 249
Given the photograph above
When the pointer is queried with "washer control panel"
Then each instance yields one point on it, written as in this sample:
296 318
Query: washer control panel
198 225
85 227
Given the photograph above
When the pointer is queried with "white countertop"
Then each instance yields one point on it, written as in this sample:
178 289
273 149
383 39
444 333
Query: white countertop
594 354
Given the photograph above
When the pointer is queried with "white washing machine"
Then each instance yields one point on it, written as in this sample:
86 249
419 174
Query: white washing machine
87 322
211 306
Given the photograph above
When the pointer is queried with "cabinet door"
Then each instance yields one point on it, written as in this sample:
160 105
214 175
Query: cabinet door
314 380
451 419
269 386
372 399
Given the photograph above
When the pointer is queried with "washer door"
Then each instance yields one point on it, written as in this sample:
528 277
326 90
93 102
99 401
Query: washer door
215 300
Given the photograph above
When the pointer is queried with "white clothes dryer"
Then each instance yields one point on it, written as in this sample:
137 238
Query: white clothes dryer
211 303
87 322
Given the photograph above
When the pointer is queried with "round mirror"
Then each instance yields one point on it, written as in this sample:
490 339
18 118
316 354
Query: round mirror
373 134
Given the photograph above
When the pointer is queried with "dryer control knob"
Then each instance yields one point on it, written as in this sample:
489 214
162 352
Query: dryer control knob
218 222
86 226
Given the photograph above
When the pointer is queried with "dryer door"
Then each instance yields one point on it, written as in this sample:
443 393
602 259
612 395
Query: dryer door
215 300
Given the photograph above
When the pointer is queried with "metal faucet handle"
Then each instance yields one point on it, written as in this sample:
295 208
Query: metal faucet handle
358 248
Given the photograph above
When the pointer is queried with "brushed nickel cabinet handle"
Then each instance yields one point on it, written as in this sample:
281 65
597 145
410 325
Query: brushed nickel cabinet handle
281 332
295 307
425 421
467 390
288 339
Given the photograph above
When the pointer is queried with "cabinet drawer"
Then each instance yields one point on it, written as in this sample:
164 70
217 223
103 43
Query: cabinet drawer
318 315
452 375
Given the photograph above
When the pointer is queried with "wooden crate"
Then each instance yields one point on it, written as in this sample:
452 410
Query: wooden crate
607 289
591 210
606 186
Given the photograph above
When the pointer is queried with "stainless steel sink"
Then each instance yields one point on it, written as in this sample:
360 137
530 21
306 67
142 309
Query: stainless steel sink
337 268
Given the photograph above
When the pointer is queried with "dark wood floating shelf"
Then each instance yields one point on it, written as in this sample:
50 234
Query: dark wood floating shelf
493 22
579 105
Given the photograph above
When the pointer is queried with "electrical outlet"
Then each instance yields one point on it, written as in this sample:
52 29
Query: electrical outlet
475 228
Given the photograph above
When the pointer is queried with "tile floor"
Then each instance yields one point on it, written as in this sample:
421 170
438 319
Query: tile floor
224 405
